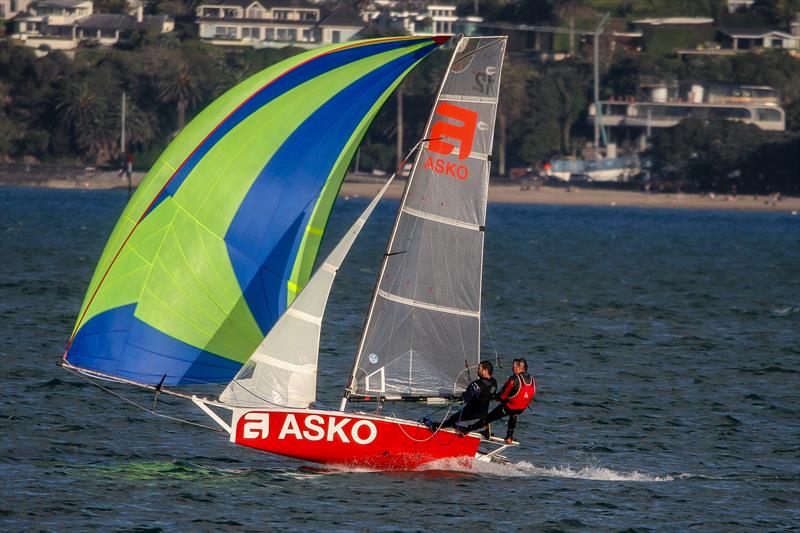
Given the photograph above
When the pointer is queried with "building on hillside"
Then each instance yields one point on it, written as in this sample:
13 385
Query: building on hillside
64 24
275 23
50 24
435 19
10 8
107 29
665 104
749 39
730 39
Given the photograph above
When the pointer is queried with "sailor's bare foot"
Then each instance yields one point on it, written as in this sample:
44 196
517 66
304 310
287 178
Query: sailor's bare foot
509 440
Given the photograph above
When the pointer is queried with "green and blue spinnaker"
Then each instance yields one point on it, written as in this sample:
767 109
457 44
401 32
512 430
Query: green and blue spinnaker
223 231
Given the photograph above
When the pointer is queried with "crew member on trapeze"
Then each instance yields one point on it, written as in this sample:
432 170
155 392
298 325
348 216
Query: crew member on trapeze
514 397
476 399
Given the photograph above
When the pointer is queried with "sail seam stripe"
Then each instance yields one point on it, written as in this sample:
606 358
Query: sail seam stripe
444 220
469 99
262 357
424 305
478 155
305 317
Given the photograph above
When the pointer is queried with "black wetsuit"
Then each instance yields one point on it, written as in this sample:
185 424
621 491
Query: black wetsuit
476 401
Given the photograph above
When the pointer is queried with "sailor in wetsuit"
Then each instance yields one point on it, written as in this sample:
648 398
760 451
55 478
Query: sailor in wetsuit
514 397
476 398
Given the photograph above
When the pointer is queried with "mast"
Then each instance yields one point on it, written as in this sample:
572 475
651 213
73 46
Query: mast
427 296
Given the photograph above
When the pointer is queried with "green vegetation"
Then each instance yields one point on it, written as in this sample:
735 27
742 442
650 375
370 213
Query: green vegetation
53 109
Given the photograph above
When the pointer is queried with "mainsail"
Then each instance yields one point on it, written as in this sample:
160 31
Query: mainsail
223 231
422 332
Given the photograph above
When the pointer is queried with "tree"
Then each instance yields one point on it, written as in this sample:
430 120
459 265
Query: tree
179 87
708 155
512 105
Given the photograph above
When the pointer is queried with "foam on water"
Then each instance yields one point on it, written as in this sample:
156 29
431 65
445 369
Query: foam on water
526 469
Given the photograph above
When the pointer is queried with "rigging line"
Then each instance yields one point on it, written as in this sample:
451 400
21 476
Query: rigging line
473 52
491 341
143 408
409 437
239 383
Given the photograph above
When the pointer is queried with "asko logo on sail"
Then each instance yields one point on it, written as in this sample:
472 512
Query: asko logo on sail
462 130
255 425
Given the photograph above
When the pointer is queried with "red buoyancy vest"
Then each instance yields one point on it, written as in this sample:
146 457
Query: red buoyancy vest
523 396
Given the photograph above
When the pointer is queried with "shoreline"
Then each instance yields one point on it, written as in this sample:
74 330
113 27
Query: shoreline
501 193
577 196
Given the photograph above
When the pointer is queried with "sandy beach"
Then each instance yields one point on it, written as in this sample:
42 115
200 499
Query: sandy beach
500 192
546 195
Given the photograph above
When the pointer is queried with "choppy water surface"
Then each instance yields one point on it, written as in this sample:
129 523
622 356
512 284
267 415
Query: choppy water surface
665 344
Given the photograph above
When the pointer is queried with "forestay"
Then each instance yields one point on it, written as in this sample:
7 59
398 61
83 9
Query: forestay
283 369
423 329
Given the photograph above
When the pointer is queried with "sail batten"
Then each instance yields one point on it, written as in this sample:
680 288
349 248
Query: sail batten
431 307
422 332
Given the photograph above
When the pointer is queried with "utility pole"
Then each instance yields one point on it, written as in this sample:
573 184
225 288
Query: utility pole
597 113
572 32
126 165
122 126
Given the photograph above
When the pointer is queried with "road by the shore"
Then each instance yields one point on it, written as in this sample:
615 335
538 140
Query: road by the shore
512 194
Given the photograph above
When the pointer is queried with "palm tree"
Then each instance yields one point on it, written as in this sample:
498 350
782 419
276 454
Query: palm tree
85 113
182 89
80 107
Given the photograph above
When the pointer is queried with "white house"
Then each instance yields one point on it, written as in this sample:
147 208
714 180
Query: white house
275 23
63 24
9 8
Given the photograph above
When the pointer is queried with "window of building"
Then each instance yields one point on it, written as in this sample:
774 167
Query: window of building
255 13
306 35
777 43
230 14
729 112
280 15
251 33
225 32
768 115
336 36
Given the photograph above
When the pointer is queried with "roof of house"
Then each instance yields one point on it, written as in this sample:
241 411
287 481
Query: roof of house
60 3
753 33
343 16
268 4
108 21
674 21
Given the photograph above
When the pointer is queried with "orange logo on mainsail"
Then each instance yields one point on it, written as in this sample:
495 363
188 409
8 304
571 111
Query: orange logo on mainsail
464 133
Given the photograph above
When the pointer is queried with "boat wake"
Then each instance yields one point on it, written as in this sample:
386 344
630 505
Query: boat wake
526 469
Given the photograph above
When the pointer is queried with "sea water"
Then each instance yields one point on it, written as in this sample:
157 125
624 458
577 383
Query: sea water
664 344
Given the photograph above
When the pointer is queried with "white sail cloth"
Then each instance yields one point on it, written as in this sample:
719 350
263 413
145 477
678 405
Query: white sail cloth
423 329
283 369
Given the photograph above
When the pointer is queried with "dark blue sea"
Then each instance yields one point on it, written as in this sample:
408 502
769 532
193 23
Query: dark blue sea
665 343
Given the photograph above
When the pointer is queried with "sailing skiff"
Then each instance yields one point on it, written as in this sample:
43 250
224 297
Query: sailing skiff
207 276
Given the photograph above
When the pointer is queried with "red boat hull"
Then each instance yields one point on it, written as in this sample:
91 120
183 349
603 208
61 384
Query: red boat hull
348 439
